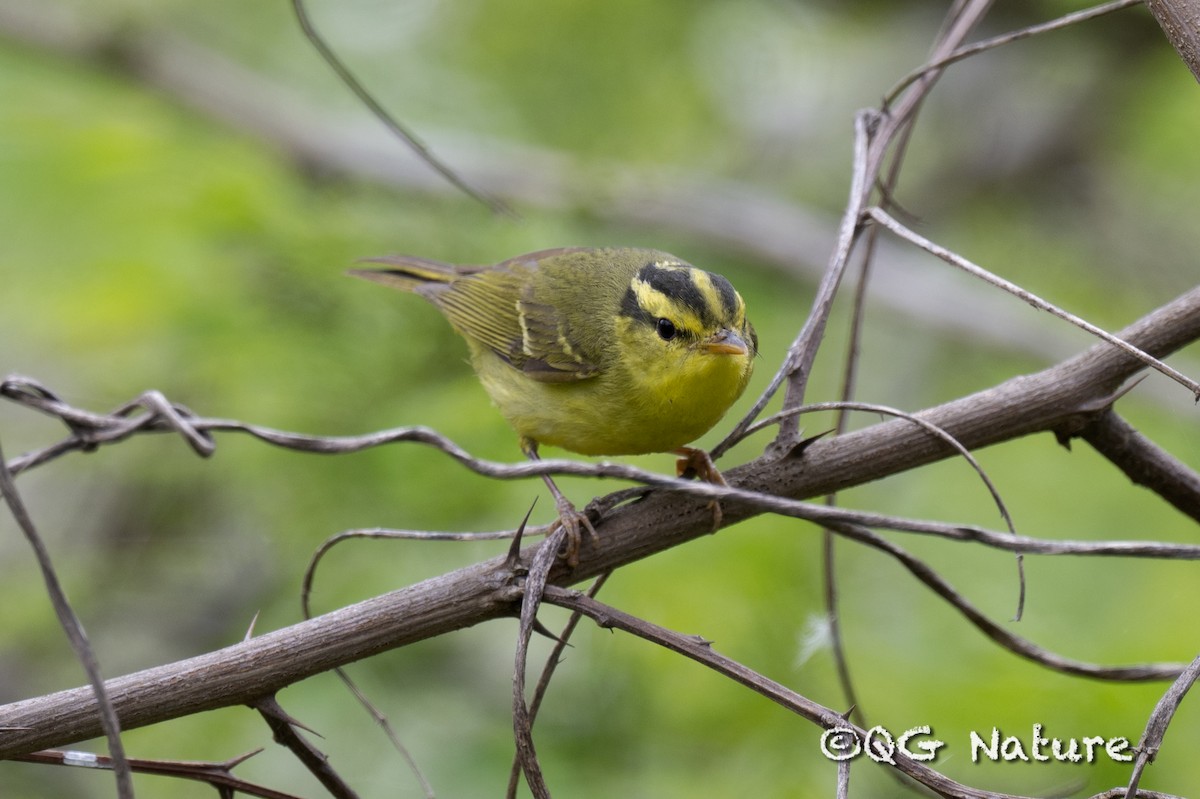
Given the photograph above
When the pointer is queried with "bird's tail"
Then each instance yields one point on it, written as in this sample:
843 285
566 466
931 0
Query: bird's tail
407 273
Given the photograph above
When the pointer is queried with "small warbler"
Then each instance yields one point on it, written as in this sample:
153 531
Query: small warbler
615 351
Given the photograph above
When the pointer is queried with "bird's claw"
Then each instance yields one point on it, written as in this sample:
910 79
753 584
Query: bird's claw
574 523
697 463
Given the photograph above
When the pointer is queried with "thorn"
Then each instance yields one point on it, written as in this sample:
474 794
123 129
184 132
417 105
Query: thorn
1088 413
234 762
512 561
250 629
273 708
804 443
542 630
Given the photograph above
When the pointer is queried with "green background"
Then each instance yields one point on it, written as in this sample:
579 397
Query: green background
144 244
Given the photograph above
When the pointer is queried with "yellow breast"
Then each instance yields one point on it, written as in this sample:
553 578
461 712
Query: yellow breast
631 408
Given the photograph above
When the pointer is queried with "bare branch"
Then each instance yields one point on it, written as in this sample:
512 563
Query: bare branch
283 727
1180 21
534 584
966 51
883 218
106 716
390 122
218 775
245 671
1142 461
552 661
700 650
1160 719
797 365
1013 643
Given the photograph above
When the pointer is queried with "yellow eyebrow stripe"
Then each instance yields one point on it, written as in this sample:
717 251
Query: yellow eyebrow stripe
696 301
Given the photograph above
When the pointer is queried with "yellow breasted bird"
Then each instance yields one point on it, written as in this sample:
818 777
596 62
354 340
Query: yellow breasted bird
616 351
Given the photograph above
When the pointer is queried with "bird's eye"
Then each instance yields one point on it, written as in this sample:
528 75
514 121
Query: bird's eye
666 329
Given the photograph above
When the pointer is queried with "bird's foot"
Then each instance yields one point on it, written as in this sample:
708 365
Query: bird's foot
696 463
574 522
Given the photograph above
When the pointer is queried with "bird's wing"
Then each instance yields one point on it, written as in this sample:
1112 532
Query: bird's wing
495 308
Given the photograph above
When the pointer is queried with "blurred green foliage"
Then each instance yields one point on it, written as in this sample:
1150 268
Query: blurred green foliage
143 246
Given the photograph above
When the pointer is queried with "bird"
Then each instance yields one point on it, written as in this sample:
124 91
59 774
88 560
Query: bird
598 351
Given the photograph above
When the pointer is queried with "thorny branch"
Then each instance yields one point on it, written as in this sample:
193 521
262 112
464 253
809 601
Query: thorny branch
218 775
768 485
1140 459
256 667
534 586
885 134
284 728
543 684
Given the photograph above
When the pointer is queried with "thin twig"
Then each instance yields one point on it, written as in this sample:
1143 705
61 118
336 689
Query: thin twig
808 337
958 23
102 428
700 650
385 724
534 587
543 684
809 511
1014 643
966 51
954 259
828 539
359 695
73 629
217 774
925 424
1156 725
388 534
850 370
408 137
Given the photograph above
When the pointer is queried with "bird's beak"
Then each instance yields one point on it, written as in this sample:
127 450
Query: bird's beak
725 342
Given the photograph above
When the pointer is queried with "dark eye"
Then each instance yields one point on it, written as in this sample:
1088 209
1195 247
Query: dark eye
666 329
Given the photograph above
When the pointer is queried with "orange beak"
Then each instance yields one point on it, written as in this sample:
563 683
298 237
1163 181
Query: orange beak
725 342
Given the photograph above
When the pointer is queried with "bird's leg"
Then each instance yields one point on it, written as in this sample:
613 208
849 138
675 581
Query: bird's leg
696 463
571 519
